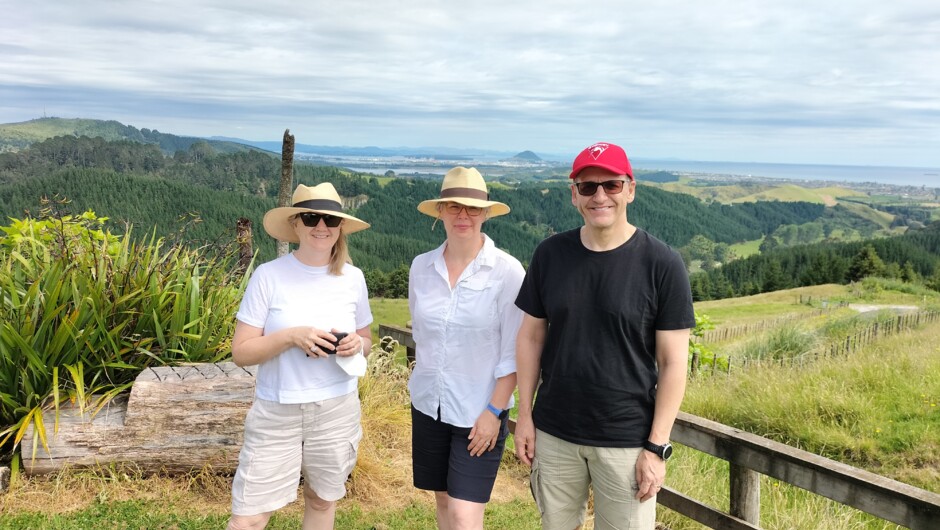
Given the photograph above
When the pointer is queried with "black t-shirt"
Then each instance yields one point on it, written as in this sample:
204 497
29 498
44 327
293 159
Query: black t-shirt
598 364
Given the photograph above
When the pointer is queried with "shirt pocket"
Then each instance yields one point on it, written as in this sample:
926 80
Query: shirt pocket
476 307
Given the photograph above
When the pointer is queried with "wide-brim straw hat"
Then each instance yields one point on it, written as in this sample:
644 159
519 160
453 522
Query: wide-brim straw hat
321 199
464 186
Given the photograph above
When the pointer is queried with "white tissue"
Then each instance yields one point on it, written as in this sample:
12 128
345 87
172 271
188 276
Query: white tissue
354 365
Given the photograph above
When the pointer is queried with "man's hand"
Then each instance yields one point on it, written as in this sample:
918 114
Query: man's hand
650 474
524 438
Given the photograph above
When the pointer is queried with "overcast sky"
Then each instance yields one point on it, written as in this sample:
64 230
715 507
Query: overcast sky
852 82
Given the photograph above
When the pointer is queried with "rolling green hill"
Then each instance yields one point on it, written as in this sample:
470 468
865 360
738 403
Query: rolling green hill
17 136
134 183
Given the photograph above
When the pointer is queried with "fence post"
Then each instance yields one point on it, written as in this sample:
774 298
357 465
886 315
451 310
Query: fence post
745 494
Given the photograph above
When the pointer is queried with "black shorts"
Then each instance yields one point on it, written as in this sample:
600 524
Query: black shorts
441 461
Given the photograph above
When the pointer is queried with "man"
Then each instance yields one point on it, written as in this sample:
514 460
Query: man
608 311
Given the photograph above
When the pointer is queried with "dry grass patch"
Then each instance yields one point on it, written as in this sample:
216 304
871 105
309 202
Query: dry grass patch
381 481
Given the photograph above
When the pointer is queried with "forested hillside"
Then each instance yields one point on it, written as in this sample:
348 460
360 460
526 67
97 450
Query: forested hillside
910 257
207 191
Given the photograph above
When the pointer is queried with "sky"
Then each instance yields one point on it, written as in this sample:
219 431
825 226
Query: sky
828 82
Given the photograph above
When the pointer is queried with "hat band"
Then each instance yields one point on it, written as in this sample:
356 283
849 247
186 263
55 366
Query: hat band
466 193
320 204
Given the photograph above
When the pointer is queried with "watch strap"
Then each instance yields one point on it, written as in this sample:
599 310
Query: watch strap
658 450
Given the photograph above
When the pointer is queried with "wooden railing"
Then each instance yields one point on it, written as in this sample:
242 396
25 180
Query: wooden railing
750 456
401 335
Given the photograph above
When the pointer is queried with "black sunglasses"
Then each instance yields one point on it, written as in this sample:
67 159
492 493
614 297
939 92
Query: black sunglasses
611 187
313 219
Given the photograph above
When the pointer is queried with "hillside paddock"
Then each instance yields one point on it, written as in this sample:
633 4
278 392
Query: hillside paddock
876 409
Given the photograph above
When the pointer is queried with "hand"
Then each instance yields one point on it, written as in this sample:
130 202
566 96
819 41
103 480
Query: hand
650 474
484 434
349 346
524 438
312 341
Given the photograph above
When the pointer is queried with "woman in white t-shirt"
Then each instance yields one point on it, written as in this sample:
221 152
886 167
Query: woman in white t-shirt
464 319
304 320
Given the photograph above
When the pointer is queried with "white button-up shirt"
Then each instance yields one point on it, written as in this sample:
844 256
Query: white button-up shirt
465 337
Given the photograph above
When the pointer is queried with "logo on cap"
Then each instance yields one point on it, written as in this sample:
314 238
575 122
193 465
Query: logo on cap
597 149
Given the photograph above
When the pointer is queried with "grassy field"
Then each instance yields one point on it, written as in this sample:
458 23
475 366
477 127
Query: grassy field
876 410
750 192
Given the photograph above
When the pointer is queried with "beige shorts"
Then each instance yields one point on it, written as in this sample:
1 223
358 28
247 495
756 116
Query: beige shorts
319 438
562 473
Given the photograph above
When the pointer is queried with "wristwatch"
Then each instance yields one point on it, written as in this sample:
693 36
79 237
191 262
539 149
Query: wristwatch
662 451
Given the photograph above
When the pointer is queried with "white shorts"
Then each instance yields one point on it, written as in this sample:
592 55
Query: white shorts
320 438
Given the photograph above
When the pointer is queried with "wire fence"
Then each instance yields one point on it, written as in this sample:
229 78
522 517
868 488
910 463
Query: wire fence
850 344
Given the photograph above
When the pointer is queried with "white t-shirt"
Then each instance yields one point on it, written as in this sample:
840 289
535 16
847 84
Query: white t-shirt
284 293
465 337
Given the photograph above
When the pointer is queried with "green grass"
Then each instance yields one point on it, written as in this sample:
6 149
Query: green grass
876 410
392 311
152 514
747 248
767 306
783 507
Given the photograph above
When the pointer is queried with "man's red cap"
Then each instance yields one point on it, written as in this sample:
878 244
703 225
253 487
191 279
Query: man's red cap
603 155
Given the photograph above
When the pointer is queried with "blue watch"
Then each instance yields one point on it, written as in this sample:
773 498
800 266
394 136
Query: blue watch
496 412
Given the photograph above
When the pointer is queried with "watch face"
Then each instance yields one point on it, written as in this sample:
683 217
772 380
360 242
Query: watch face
667 451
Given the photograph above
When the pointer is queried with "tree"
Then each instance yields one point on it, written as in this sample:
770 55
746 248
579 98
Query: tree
908 274
769 243
934 281
774 280
865 263
724 253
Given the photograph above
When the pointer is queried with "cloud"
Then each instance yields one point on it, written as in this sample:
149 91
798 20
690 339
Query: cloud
768 80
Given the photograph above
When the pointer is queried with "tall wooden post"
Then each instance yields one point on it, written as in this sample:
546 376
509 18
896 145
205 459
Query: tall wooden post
287 181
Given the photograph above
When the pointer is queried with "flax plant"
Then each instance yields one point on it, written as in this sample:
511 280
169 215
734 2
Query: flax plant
83 311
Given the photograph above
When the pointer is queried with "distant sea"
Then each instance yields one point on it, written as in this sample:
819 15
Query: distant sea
898 176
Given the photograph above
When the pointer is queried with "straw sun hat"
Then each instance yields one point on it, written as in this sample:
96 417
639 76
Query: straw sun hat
322 199
464 186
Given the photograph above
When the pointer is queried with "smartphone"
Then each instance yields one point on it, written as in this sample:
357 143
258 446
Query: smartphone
339 336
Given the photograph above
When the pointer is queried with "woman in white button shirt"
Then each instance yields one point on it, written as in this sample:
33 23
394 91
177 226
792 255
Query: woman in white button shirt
306 413
464 323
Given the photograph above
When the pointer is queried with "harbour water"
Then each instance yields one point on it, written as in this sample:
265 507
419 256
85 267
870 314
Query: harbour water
898 176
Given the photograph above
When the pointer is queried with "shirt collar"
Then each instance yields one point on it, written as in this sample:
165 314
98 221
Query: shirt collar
486 257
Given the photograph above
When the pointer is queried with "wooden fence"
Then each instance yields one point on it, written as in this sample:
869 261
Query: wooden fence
751 328
750 455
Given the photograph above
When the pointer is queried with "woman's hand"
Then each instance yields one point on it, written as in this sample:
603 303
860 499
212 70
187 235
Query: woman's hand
350 345
484 434
314 342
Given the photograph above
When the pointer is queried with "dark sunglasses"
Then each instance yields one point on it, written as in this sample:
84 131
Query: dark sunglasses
313 219
611 187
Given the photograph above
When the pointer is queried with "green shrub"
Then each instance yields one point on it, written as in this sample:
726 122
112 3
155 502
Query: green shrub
83 311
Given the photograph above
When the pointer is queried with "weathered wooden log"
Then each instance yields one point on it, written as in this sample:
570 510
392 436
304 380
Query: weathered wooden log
175 420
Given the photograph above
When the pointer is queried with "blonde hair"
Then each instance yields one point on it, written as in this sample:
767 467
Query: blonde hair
339 256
